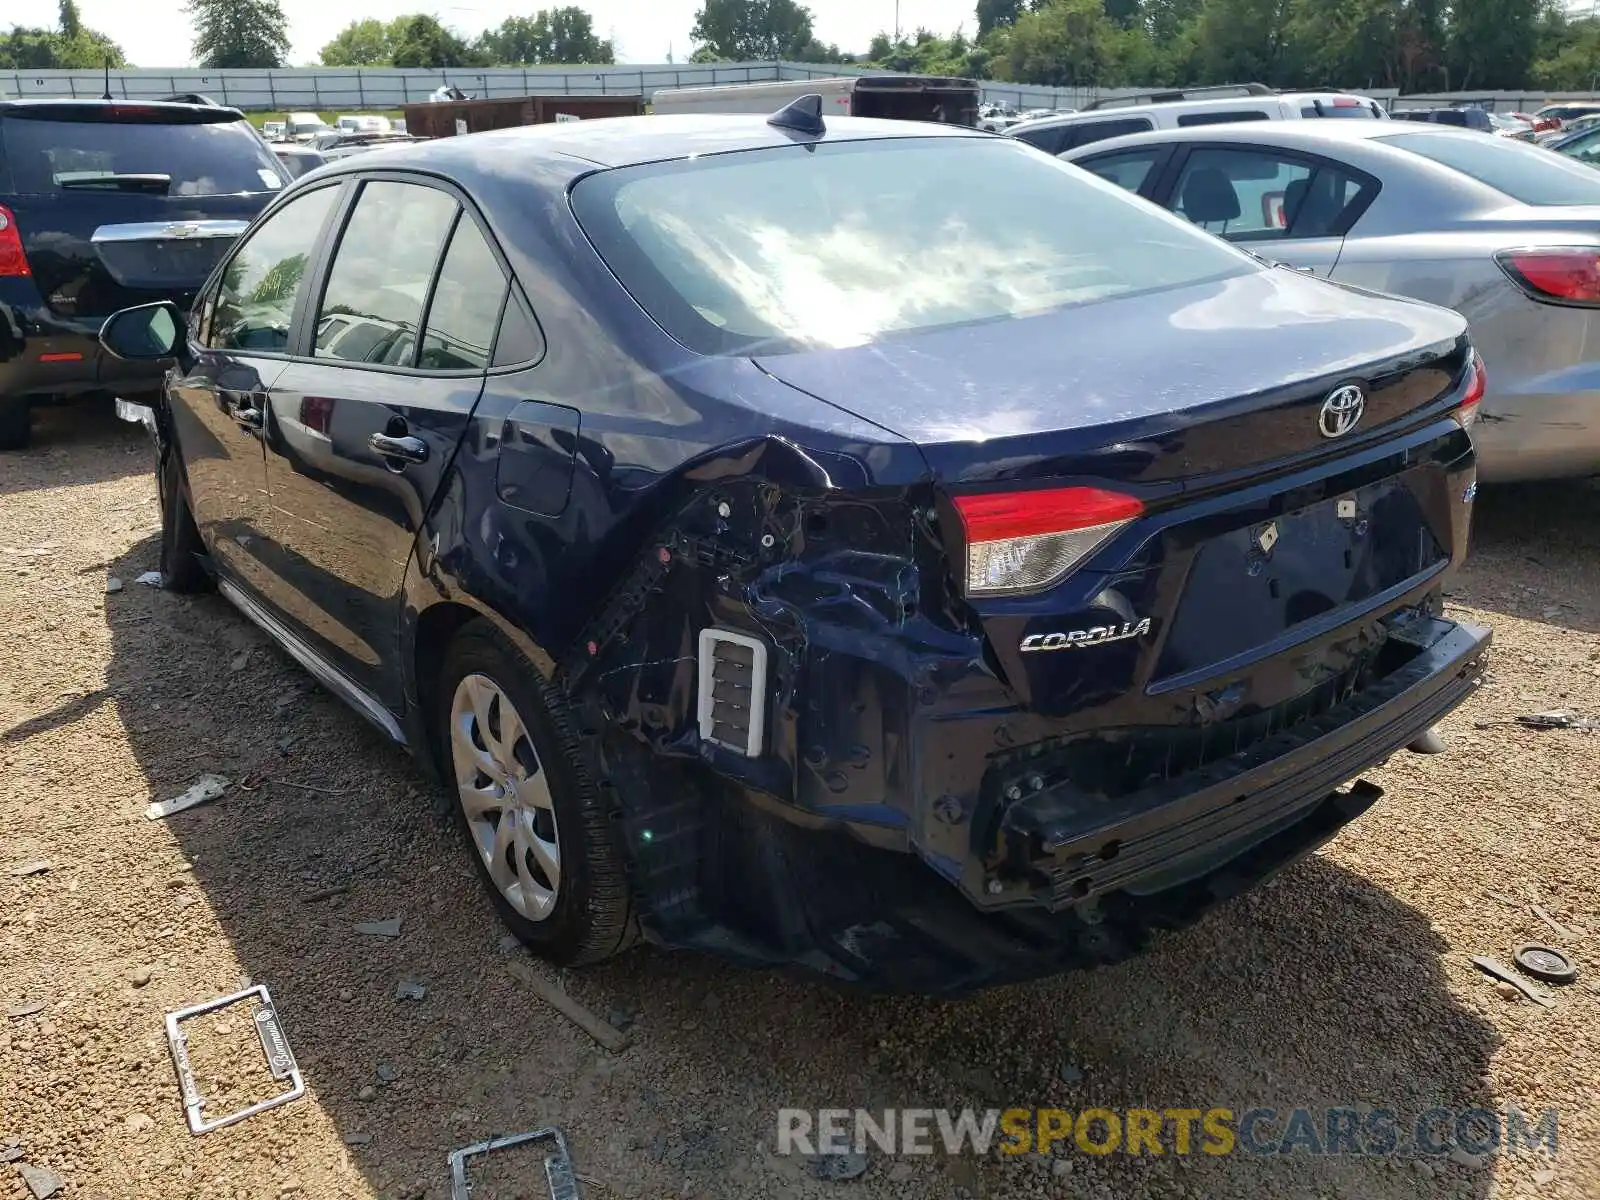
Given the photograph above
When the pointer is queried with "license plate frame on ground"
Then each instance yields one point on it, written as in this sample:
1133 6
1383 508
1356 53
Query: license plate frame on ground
558 1169
274 1047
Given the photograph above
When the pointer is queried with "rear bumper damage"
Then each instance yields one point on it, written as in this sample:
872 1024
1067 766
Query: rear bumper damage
1076 892
1064 849
906 824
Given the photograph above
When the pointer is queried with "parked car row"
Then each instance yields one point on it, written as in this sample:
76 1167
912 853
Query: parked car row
1505 233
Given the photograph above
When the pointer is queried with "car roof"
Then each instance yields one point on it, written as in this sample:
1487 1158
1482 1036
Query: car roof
1306 134
628 141
39 103
1198 104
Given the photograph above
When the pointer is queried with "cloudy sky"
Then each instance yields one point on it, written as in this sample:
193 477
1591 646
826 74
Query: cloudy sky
159 36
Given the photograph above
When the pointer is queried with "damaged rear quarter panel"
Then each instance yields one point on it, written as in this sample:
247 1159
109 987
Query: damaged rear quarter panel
544 547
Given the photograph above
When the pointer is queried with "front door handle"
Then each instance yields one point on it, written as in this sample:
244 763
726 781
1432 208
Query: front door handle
405 449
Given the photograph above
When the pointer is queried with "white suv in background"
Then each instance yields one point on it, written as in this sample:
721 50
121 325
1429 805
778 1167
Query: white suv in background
1181 108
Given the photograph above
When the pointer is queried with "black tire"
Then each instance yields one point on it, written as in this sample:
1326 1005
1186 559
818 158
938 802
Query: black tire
591 918
16 422
182 552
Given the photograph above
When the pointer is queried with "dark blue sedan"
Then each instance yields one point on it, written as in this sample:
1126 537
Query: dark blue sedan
881 548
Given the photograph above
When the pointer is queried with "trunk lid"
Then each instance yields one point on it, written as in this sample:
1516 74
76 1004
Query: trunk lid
1267 551
120 205
1221 376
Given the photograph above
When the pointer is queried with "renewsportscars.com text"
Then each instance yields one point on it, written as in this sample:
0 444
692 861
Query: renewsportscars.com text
1179 1131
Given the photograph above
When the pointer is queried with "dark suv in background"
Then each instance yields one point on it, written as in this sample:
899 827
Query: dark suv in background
104 204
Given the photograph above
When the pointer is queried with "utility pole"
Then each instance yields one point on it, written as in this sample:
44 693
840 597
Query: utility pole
896 22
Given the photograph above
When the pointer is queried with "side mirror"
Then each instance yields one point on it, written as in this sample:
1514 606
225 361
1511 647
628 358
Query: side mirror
146 333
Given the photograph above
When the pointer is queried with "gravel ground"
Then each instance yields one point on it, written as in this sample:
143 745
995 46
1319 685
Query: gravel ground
1346 981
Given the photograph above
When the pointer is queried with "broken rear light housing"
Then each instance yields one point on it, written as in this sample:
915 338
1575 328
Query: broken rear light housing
1027 541
1556 275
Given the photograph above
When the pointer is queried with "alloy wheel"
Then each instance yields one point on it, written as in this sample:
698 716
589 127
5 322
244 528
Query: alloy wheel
505 796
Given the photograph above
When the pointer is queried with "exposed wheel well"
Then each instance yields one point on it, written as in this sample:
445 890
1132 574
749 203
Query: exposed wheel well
435 629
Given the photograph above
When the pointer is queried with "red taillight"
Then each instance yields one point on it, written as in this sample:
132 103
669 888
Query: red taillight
1027 541
1345 102
64 356
1467 411
1569 276
13 262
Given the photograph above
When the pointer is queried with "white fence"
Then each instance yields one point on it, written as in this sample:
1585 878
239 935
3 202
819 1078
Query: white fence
350 88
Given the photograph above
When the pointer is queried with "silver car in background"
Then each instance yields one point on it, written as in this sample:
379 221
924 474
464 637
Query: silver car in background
1505 233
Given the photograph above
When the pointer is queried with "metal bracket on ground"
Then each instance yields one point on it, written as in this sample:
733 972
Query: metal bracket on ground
280 1059
558 1170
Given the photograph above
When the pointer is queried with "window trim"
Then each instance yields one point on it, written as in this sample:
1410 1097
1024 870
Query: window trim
208 291
303 332
1371 185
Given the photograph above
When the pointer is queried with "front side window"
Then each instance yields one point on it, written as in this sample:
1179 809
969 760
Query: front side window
254 302
847 243
381 271
1259 195
1527 173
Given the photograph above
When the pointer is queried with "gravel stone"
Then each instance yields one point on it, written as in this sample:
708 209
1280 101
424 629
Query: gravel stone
1348 981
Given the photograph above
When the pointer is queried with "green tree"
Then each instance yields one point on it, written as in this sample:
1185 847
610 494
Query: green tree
1491 43
994 13
753 30
1070 43
556 35
926 53
239 33
420 41
366 43
71 46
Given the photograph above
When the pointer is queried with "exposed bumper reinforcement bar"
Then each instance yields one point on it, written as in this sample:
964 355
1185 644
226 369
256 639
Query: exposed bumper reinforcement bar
1193 825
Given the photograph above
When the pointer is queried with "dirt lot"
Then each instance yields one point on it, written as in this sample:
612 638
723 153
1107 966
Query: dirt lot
1347 981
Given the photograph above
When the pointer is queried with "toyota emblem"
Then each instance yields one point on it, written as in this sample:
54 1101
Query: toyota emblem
1341 411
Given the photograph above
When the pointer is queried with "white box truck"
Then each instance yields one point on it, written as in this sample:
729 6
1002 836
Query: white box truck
898 97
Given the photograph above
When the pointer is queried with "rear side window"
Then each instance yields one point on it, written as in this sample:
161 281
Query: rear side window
466 304
1128 169
208 159
1260 195
1083 132
1048 139
1220 118
1527 173
848 243
378 283
253 306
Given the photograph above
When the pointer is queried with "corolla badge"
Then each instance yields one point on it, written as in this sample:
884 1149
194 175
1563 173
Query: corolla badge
1341 410
1097 635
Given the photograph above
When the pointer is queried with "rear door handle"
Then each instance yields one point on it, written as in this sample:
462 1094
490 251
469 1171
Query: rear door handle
245 408
405 449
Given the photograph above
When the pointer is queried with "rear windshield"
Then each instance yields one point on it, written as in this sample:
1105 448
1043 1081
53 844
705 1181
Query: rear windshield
209 159
1524 172
846 243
